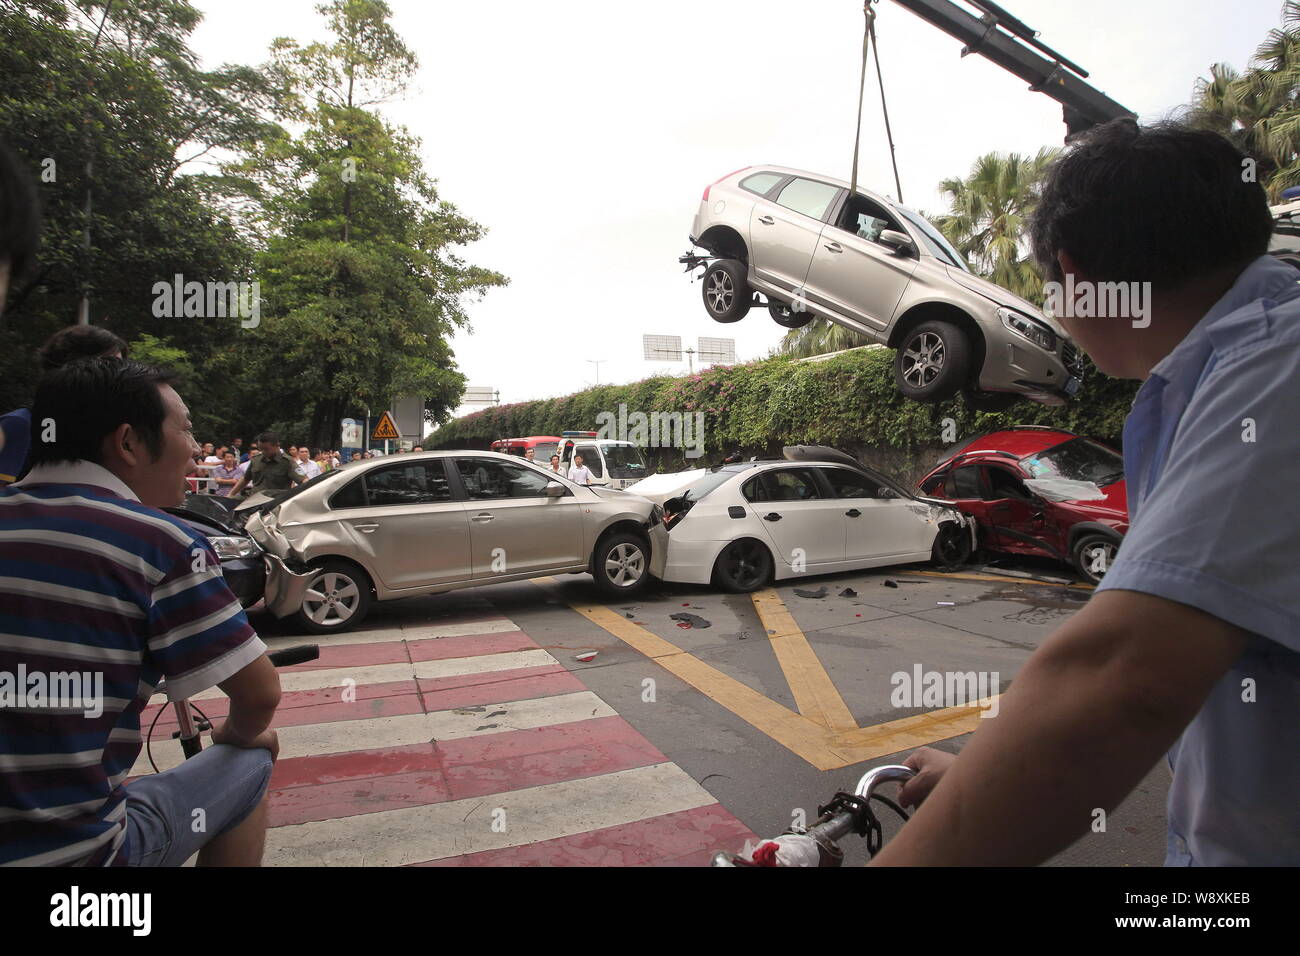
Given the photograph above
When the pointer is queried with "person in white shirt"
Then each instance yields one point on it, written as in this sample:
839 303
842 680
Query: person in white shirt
306 467
579 472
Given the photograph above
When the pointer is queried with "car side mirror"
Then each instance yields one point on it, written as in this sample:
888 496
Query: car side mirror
554 489
900 242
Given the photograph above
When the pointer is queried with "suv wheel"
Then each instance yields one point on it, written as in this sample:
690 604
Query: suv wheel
727 294
337 599
932 362
621 564
1093 555
786 317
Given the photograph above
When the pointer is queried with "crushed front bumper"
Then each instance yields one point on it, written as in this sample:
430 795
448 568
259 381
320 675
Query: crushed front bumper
285 588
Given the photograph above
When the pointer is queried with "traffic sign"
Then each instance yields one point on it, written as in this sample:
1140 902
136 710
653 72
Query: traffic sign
385 428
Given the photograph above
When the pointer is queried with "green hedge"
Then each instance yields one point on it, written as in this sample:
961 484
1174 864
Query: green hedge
848 402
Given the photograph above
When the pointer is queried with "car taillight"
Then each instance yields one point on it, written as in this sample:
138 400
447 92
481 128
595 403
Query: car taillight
705 197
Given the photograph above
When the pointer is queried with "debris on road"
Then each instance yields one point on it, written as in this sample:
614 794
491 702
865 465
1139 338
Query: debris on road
946 603
585 657
889 584
819 593
686 619
848 592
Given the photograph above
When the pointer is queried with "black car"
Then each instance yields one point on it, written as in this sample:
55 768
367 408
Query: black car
242 562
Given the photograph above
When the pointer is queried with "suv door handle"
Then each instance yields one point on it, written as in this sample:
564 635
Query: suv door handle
368 527
834 247
766 220
482 517
772 516
853 513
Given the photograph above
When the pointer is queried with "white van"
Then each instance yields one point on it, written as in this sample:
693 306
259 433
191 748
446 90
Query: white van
613 464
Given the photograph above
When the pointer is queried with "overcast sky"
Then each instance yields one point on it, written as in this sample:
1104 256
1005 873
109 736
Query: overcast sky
582 135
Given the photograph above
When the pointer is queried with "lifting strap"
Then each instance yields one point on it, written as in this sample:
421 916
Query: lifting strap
868 41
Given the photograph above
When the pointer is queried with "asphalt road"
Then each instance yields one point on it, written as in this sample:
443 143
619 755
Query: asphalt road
786 698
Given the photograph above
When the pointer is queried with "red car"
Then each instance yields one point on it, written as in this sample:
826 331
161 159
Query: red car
1068 520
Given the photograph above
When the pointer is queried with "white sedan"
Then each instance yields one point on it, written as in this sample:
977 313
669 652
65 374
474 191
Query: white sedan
740 526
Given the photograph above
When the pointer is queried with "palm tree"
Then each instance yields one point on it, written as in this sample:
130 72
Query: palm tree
1259 109
819 337
989 213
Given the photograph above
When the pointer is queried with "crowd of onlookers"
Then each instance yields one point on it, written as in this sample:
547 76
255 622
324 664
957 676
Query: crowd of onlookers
218 469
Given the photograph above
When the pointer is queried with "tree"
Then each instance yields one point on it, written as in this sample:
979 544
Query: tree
989 213
106 103
361 282
1259 109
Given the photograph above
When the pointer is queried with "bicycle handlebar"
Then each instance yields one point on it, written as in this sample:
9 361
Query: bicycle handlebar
848 813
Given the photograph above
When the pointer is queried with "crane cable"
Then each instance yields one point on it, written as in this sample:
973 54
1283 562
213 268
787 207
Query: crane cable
868 41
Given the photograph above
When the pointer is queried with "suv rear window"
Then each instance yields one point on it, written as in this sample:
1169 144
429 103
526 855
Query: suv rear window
808 197
761 182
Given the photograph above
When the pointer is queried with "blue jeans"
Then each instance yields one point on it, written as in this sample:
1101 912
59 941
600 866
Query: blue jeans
170 816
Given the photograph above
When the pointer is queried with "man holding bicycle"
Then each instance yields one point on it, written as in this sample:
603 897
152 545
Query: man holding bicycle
96 582
1191 645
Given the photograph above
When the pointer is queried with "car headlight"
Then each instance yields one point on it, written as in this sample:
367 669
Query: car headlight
230 546
656 515
1037 332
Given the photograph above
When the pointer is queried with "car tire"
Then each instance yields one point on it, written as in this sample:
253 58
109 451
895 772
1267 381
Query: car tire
952 546
349 590
743 566
727 295
979 401
1093 554
786 317
932 362
620 564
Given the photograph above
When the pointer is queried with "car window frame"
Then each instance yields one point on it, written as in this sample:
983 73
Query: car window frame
453 469
831 206
781 180
823 474
361 478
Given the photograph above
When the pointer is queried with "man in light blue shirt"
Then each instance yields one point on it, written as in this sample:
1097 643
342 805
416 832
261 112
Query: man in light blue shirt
1191 645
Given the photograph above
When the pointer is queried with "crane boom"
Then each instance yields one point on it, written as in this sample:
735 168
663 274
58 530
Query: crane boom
998 36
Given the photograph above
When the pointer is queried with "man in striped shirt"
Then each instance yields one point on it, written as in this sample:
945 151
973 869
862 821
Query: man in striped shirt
101 597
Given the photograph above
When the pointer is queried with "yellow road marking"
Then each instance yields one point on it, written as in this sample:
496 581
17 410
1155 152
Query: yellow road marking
823 747
814 693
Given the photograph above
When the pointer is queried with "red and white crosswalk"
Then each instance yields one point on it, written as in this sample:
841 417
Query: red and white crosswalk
464 743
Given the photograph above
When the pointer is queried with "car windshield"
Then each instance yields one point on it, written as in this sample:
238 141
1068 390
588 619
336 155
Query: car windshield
1079 459
624 461
933 238
543 450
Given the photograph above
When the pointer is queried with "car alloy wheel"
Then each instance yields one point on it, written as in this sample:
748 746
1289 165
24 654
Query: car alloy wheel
743 566
333 599
624 565
952 546
721 292
621 564
923 359
1094 556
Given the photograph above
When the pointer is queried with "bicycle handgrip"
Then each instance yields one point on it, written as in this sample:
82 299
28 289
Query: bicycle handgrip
295 655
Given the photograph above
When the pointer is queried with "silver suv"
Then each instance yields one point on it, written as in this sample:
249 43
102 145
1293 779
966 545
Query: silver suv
882 270
436 521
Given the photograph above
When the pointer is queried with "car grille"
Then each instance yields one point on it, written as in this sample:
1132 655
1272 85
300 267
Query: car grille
1072 358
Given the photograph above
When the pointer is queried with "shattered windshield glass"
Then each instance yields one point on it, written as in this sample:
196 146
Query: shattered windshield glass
1079 459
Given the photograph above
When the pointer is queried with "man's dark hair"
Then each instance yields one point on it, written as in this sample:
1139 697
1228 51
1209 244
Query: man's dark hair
268 437
1163 204
75 342
77 406
20 213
